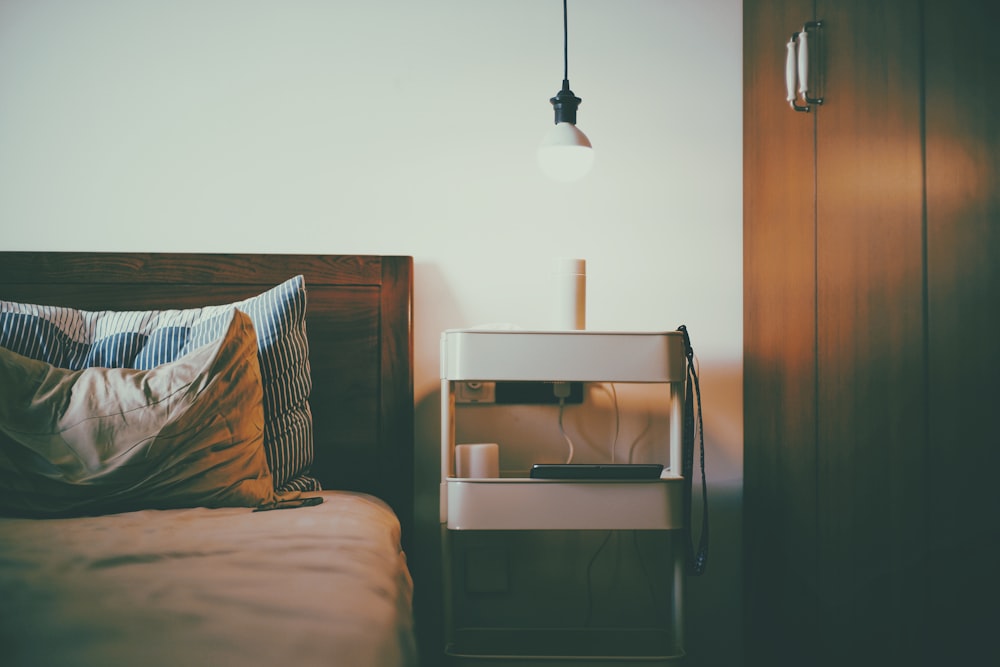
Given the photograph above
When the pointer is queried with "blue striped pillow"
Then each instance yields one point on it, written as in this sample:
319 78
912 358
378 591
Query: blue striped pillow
77 339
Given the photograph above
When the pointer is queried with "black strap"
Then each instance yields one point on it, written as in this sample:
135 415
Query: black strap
692 392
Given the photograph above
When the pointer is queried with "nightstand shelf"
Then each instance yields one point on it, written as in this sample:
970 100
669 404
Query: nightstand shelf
550 504
520 503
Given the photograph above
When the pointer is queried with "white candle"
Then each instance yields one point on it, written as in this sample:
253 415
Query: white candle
478 460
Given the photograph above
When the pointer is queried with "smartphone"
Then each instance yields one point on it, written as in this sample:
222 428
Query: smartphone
596 471
308 501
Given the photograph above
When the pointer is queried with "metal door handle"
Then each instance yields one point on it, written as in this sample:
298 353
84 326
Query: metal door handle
804 62
797 68
791 61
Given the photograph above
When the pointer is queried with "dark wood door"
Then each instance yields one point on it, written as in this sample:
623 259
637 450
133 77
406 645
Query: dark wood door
962 538
871 421
872 298
779 329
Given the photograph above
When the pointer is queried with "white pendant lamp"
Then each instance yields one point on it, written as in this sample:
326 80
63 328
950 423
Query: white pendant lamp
565 153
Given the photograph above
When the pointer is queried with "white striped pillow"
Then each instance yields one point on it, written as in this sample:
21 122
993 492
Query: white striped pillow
77 339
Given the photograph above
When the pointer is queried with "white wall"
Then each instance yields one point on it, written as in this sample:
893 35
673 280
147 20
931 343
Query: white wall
409 127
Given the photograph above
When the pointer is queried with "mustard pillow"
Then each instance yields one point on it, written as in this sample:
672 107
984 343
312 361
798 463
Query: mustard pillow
186 433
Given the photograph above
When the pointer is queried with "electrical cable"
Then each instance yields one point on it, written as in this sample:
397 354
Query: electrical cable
614 444
590 583
562 430
639 436
618 421
645 572
565 44
697 372
697 557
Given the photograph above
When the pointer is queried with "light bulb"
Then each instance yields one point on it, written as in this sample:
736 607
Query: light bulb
565 153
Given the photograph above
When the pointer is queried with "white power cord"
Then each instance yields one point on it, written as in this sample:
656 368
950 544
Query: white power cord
561 390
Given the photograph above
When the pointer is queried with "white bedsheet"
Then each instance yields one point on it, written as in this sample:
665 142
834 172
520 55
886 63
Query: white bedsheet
322 585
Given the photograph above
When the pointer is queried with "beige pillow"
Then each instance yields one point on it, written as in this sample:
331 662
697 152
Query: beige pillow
142 339
186 433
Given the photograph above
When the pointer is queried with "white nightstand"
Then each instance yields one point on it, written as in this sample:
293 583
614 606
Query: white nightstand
522 503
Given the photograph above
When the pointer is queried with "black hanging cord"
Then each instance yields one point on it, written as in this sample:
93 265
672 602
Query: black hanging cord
565 102
697 561
565 46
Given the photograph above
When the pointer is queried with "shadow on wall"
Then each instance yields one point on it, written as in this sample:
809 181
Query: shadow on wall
713 601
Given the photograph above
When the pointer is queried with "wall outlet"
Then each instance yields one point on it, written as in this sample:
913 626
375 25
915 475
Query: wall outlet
475 392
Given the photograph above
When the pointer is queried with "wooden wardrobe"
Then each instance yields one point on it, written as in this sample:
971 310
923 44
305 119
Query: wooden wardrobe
871 337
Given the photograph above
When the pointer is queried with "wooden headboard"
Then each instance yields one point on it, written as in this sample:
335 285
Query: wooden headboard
359 324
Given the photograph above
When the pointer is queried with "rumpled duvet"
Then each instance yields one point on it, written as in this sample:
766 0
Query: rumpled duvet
322 585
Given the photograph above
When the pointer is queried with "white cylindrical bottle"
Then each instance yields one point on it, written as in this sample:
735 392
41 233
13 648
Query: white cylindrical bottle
477 461
570 308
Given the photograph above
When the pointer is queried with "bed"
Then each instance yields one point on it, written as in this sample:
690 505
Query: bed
180 532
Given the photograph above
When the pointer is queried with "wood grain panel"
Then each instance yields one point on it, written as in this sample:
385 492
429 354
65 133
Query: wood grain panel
396 383
345 346
907 309
187 268
963 266
779 346
870 341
